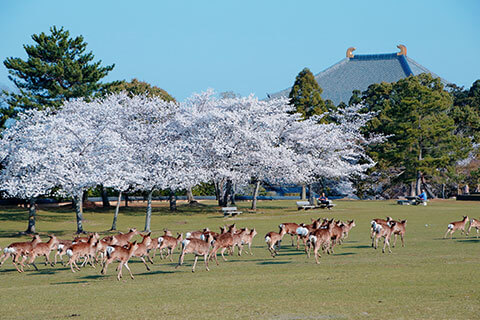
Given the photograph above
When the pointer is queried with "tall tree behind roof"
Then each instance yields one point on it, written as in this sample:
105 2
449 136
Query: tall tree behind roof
306 95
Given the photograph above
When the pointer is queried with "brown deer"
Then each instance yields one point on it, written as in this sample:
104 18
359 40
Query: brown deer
456 225
82 249
400 228
274 239
386 232
474 223
375 222
123 238
142 250
169 243
223 242
320 238
196 234
20 250
198 248
43 249
238 239
248 239
347 227
62 247
121 254
291 229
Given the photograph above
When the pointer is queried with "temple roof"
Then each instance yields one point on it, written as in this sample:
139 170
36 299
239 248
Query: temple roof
357 72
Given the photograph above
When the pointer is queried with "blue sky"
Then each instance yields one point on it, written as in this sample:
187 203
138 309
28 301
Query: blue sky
248 46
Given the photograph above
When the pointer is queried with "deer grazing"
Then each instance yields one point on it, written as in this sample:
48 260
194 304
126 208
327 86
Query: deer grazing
456 225
82 249
274 239
20 250
121 254
474 223
198 248
386 232
169 243
43 249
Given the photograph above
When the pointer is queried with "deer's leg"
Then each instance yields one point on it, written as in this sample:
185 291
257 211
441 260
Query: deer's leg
119 274
206 261
194 263
221 252
128 268
401 237
145 263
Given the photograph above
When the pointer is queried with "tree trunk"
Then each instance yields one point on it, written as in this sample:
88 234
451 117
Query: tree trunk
233 194
255 195
310 195
105 201
117 209
303 195
226 195
126 200
173 201
419 183
190 198
219 192
32 213
148 215
443 190
78 200
412 189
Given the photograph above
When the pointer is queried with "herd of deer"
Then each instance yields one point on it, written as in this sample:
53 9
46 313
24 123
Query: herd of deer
322 234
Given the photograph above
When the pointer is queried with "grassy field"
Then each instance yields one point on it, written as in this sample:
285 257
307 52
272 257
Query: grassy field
431 278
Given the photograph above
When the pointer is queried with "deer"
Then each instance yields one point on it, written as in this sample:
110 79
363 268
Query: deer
291 229
43 249
336 234
82 249
375 222
248 239
20 249
198 248
196 234
399 228
474 223
169 243
122 239
223 242
347 227
121 254
142 250
386 232
62 247
456 225
154 244
320 238
238 239
274 239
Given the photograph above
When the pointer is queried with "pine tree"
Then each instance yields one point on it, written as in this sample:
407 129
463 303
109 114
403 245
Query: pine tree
306 95
58 68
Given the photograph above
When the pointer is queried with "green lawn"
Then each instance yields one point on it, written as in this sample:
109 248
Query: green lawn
431 278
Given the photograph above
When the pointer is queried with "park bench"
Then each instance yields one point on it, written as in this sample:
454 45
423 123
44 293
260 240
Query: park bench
328 205
230 211
304 205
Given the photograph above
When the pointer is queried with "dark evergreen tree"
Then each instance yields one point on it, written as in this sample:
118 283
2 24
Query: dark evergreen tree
306 95
58 68
136 87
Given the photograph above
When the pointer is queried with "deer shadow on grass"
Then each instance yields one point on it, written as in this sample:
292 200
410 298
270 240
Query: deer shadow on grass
69 282
468 240
273 262
344 254
147 273
360 246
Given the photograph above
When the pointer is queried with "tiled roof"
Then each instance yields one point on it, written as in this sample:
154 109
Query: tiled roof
359 72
